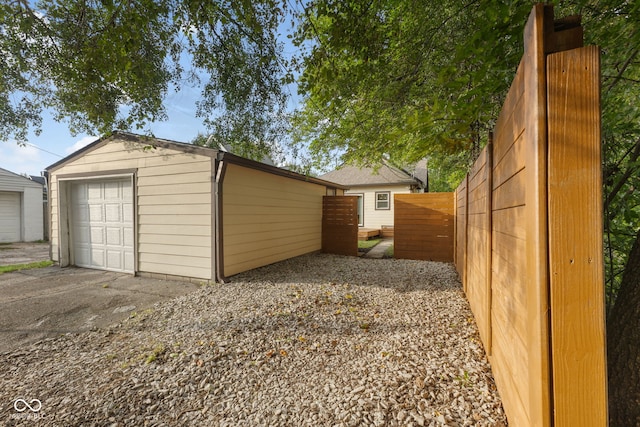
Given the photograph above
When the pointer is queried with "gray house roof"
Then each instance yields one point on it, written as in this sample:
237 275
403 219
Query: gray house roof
386 174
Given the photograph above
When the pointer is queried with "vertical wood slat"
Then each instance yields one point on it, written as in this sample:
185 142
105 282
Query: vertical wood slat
575 242
340 225
423 226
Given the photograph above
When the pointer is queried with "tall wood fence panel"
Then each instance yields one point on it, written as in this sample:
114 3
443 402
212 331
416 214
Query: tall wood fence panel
423 226
340 225
528 234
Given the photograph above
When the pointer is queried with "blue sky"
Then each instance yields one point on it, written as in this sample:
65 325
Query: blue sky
56 142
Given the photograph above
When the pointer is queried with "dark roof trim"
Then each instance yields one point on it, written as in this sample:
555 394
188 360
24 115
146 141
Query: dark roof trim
126 136
415 181
252 164
33 182
192 149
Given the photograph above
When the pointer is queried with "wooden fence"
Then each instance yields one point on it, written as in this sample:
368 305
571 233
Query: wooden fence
529 230
340 225
423 226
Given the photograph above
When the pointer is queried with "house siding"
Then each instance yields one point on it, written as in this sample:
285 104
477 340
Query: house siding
31 205
268 218
377 218
173 204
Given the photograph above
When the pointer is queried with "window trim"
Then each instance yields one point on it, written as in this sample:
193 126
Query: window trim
359 195
388 201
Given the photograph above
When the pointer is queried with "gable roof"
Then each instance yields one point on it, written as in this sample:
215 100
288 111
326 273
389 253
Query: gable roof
190 148
353 176
6 177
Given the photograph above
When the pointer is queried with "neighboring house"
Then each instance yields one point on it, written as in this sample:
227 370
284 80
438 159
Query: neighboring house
376 188
21 210
161 208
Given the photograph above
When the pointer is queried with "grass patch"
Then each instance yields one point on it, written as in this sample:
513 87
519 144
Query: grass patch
18 267
389 252
368 244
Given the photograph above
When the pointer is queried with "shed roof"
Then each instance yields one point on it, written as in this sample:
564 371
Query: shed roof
16 179
194 149
353 176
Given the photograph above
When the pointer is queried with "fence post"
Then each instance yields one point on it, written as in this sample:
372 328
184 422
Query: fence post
576 288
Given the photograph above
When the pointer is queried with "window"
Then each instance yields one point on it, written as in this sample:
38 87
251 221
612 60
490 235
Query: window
382 200
360 209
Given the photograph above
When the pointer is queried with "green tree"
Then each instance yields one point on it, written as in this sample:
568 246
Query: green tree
105 65
389 77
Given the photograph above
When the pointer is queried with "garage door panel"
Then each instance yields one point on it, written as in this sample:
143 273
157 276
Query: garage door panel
95 212
10 216
113 212
109 243
114 260
94 191
83 256
96 236
127 214
114 236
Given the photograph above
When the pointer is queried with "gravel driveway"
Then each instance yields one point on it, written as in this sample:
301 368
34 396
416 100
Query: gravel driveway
318 340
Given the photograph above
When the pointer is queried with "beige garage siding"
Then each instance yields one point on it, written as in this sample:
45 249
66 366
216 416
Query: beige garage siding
173 204
268 218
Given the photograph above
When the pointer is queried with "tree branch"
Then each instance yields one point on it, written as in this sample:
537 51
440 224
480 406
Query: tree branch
625 177
623 69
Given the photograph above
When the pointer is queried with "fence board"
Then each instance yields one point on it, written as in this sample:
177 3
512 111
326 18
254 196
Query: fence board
575 241
424 226
340 225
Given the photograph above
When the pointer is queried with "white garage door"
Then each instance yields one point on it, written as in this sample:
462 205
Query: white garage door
102 224
9 216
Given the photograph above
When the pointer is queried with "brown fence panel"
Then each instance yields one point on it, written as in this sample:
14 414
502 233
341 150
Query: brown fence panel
478 268
540 305
528 234
423 226
340 225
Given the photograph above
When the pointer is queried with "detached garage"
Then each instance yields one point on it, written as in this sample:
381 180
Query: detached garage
149 206
21 208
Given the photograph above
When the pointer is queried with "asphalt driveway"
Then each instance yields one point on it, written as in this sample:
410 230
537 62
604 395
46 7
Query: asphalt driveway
48 302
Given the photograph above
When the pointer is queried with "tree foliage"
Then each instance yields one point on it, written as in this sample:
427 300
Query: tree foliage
108 64
388 77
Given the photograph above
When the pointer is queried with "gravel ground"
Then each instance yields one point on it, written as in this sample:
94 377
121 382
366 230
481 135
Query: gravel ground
318 340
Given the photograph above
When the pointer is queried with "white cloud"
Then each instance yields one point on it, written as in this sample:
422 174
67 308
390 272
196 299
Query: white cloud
22 159
81 143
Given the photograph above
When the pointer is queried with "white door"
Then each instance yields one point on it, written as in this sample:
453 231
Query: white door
102 224
10 223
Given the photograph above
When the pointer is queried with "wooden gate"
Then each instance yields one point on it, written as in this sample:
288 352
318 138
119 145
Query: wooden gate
423 226
340 225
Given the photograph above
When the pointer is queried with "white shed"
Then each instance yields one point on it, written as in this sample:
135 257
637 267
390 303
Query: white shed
21 208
